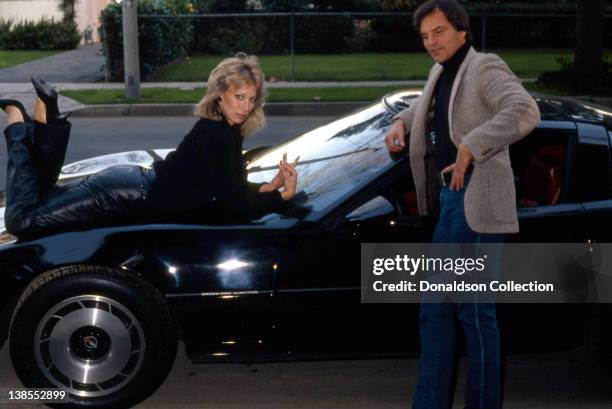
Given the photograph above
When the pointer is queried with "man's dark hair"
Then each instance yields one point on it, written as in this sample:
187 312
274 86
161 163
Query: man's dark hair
452 10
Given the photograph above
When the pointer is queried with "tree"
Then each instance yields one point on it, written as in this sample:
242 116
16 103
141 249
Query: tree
67 7
589 67
398 5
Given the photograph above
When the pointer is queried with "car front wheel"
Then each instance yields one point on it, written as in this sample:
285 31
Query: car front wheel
103 335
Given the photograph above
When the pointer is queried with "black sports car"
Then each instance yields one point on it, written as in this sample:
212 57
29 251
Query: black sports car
98 311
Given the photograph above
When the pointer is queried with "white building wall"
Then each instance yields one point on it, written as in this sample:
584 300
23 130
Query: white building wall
87 11
19 10
88 14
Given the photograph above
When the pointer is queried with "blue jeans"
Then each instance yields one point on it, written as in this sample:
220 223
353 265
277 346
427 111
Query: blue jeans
435 383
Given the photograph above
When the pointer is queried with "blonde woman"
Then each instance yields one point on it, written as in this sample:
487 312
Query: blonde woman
203 180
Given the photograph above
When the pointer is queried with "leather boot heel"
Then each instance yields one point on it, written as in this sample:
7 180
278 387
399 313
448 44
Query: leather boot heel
5 103
48 96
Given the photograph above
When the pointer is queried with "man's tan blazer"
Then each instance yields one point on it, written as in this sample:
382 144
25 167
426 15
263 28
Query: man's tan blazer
489 110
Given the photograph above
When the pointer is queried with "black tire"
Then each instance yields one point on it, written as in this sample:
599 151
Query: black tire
93 310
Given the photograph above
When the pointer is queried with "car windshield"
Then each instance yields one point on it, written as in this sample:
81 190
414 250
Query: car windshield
336 159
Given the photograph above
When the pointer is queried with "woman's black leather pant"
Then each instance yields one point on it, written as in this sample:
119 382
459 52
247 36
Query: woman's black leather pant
35 205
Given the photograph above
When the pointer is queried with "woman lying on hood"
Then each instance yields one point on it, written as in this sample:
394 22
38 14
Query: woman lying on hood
203 180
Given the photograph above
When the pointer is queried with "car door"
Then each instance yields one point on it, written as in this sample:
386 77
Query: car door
569 170
318 308
563 196
217 279
545 168
593 181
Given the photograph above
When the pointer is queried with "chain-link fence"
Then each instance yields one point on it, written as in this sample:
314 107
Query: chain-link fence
264 33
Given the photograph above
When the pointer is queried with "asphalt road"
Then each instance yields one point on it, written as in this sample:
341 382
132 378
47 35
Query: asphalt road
560 380
100 136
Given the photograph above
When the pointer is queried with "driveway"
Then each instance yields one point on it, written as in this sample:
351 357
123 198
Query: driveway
84 64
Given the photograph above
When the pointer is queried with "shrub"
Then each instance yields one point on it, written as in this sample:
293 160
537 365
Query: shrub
160 40
226 35
566 78
5 28
45 34
395 34
313 34
271 35
506 30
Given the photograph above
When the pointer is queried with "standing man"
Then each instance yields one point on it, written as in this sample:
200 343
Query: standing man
471 109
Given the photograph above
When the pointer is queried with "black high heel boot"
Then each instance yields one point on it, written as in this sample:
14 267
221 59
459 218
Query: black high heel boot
50 139
49 152
48 96
22 192
5 103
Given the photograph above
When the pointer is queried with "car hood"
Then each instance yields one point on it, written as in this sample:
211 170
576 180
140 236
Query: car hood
78 170
90 166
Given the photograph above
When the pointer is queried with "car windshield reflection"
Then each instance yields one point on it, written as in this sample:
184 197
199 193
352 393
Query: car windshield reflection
335 159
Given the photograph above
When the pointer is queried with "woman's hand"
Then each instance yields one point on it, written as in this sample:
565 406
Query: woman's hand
276 183
289 178
279 178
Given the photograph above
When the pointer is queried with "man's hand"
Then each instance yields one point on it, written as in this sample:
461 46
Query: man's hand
449 168
395 138
464 157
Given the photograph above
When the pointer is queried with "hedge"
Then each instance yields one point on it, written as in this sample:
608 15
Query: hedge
163 40
160 40
42 35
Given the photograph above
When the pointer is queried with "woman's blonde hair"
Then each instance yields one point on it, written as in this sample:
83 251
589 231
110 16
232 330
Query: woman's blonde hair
235 72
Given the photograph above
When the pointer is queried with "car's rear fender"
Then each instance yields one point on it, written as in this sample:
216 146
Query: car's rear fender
19 264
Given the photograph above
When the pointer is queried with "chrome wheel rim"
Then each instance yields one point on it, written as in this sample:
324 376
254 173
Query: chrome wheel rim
89 345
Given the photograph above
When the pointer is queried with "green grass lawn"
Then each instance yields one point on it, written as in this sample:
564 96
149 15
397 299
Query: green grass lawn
355 67
10 58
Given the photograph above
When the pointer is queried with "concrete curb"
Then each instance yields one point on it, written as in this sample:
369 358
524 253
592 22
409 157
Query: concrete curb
271 109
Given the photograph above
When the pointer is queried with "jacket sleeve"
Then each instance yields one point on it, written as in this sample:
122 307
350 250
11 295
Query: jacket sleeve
227 181
253 187
172 191
516 113
407 115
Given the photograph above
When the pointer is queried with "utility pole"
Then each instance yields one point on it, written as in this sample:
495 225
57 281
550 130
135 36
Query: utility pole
131 60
